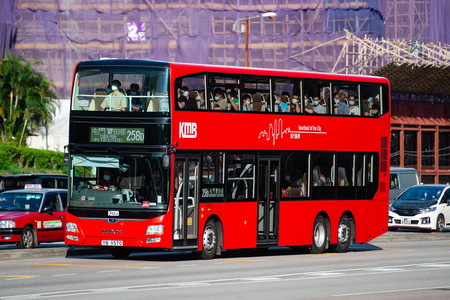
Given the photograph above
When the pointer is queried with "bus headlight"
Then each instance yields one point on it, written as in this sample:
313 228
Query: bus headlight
155 229
7 224
71 227
72 237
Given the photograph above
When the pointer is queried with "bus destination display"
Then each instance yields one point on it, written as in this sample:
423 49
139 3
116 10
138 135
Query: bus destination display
117 135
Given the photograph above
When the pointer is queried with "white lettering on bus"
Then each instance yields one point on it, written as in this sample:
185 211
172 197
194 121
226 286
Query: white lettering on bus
188 130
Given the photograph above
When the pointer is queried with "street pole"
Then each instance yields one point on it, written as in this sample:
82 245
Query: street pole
246 41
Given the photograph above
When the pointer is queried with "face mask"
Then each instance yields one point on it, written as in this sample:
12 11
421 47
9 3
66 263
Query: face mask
106 177
287 177
248 101
199 98
370 99
306 100
351 102
216 98
316 103
277 102
336 101
295 101
185 93
133 93
114 88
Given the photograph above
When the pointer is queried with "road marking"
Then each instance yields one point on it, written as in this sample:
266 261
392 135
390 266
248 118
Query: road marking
397 249
72 265
69 274
19 276
247 280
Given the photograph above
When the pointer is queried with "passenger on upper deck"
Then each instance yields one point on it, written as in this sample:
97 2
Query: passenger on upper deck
136 103
295 104
283 107
201 97
353 107
183 93
219 102
117 101
318 108
341 107
308 105
232 98
247 100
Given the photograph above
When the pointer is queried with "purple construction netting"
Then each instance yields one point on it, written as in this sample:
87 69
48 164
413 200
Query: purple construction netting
63 32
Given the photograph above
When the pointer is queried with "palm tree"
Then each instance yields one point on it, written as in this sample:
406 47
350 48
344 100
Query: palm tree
26 98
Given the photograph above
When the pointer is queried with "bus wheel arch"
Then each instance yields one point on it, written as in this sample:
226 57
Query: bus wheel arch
212 238
345 233
321 234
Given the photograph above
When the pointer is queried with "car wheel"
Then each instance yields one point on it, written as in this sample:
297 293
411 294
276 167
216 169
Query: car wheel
27 239
209 240
319 236
440 223
343 236
120 252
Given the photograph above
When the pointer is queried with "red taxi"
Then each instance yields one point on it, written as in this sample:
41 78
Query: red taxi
32 216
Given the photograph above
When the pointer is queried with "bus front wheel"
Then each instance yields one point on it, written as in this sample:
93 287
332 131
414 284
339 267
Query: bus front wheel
209 240
319 236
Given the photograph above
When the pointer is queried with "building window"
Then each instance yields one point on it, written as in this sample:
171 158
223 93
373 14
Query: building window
395 148
410 148
428 149
444 149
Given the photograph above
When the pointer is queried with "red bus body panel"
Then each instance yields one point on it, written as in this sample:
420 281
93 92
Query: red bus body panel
259 131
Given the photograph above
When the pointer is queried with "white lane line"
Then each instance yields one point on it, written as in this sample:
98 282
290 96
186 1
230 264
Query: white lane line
109 271
68 274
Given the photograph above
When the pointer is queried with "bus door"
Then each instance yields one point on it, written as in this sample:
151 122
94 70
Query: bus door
268 192
185 202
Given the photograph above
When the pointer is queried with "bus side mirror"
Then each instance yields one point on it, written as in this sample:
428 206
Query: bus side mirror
166 161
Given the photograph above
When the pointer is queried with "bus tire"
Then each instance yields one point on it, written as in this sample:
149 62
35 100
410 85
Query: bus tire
344 235
28 239
120 252
209 240
319 236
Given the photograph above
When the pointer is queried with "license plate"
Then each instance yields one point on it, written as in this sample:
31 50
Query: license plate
406 221
112 243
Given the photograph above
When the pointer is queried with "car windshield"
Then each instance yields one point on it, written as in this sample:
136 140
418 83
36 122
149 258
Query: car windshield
422 193
20 201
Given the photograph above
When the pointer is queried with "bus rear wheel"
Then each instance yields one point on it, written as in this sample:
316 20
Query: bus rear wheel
343 236
209 240
319 236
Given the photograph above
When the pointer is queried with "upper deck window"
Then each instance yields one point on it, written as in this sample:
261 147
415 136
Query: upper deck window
121 90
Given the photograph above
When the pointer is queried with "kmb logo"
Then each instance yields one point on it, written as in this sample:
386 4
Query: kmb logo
188 130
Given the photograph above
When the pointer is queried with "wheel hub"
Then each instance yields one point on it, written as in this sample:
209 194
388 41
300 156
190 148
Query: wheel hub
209 239
343 233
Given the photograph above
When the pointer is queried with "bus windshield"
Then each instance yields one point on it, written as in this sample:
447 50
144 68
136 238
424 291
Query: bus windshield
128 182
120 90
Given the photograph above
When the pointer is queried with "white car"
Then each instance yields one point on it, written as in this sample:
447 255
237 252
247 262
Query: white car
425 206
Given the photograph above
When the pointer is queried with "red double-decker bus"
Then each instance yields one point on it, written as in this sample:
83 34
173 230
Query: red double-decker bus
201 158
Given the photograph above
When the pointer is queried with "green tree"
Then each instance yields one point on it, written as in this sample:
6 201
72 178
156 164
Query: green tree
26 99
